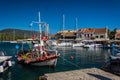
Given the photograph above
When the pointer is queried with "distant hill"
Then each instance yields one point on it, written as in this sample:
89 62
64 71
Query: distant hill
14 34
18 32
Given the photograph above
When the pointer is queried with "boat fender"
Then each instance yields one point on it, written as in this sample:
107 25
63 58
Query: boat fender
27 61
71 57
9 63
1 69
38 59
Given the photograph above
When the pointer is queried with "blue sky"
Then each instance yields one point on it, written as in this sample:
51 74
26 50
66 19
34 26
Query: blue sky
90 13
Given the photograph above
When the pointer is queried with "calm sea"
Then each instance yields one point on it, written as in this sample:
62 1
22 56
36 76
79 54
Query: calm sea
81 58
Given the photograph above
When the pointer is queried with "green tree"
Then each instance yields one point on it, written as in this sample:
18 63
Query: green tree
9 37
112 34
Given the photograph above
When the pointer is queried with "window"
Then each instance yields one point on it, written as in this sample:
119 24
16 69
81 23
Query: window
91 35
85 35
101 36
80 35
96 36
88 35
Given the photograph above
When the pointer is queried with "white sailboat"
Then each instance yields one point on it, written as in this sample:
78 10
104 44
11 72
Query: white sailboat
115 57
79 43
91 44
64 42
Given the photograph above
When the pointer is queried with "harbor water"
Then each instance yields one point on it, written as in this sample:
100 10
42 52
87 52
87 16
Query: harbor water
70 59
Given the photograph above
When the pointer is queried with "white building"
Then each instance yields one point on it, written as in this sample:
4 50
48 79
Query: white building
97 34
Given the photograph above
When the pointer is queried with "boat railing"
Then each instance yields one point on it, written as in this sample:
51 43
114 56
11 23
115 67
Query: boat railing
51 51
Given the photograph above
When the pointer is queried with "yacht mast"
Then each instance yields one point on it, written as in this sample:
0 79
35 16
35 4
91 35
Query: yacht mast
47 30
76 24
63 22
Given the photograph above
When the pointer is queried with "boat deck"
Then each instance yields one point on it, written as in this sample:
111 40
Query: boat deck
3 58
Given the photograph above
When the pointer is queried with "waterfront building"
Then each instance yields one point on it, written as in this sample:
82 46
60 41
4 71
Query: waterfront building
117 35
66 34
97 34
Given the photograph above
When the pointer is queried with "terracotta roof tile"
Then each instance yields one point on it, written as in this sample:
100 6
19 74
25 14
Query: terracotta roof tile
100 30
94 30
69 34
117 31
117 35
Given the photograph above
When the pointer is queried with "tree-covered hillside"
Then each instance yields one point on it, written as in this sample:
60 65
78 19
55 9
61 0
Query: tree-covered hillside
14 34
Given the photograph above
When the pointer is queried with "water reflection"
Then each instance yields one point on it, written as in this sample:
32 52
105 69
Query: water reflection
81 58
85 57
7 75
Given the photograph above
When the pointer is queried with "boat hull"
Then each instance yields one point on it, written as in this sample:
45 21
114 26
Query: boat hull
64 45
51 62
48 61
5 63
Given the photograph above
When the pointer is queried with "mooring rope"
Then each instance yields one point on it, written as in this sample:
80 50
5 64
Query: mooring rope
70 62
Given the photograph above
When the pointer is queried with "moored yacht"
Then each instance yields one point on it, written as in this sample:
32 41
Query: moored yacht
80 44
64 44
92 44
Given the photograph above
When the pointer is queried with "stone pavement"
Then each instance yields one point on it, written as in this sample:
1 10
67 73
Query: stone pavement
82 74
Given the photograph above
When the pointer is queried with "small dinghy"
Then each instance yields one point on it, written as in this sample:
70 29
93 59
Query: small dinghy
5 62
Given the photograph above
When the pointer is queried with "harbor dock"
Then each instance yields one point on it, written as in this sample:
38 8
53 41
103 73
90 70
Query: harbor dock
82 74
